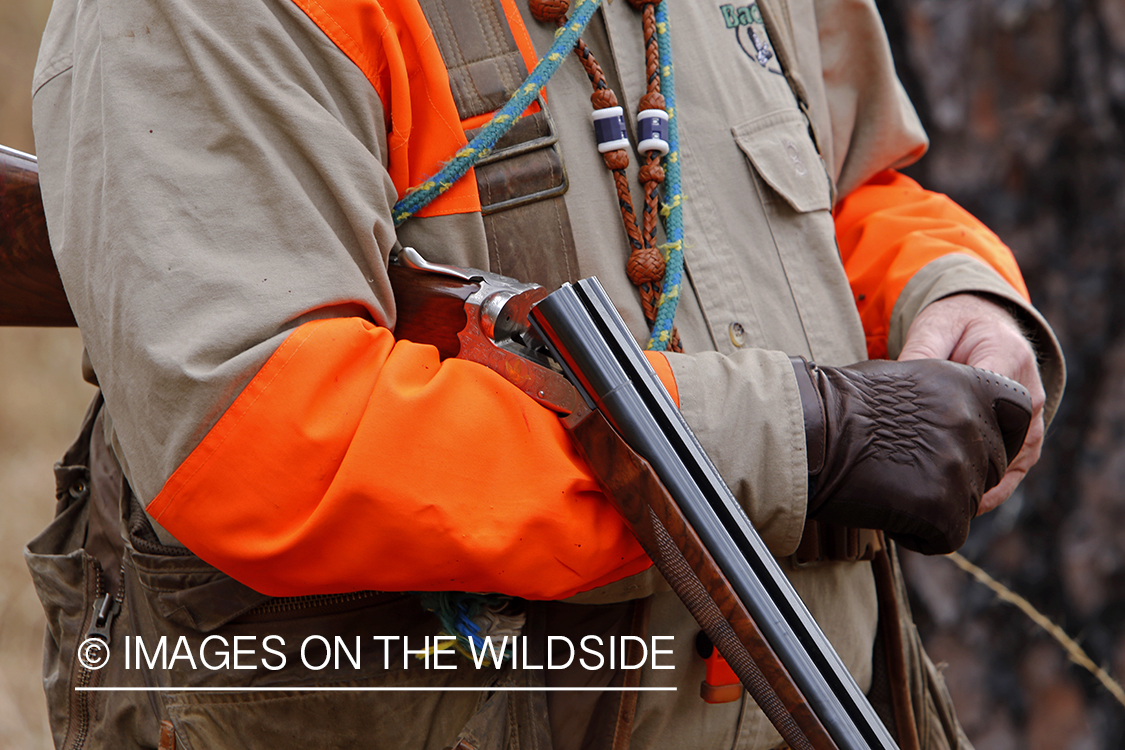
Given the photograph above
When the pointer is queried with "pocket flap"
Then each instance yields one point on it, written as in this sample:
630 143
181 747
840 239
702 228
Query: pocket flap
187 591
779 147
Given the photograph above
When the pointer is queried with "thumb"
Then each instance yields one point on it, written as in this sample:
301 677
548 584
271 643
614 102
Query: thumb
926 340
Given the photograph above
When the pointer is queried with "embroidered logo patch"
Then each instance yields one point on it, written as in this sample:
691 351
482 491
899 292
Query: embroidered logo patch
750 31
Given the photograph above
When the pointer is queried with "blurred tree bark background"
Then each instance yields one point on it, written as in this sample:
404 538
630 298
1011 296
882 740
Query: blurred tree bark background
1024 101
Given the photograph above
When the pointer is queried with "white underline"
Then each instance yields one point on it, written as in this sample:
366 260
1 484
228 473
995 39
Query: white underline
369 689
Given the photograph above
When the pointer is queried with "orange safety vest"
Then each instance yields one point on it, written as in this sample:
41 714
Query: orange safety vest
391 42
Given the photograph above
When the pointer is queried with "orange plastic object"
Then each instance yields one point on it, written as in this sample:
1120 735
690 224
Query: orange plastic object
721 684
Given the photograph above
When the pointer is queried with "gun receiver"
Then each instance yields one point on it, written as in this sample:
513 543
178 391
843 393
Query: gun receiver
478 316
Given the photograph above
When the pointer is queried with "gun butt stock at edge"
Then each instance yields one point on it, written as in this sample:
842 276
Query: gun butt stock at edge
622 421
31 292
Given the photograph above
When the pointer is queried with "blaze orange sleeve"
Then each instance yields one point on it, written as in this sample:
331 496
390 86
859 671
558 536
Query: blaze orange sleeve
889 228
352 461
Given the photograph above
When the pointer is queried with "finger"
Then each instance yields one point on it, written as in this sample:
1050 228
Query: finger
938 328
1017 364
996 496
1017 469
928 340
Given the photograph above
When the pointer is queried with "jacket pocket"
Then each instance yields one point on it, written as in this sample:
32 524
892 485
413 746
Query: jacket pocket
85 623
59 569
783 154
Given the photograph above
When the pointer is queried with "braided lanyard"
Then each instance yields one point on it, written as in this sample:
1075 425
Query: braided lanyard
656 271
647 264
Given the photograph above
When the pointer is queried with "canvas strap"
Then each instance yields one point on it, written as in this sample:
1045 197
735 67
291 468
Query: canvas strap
522 181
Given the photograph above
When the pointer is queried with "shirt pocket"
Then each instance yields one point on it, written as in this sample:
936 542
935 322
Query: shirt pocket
784 156
796 196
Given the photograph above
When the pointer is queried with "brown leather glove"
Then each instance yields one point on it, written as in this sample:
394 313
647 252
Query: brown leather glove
908 447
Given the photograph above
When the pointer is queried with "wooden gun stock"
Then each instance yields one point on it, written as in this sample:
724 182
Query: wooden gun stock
431 307
31 292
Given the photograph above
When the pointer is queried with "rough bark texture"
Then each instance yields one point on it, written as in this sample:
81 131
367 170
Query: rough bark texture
1024 101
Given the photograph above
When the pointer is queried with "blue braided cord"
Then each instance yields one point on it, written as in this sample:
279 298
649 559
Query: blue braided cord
566 37
462 625
671 211
456 610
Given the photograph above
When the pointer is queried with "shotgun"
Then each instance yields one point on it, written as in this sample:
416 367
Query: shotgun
571 352
660 479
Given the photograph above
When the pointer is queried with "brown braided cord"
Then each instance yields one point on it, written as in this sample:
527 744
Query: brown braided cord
652 99
595 73
616 161
603 98
548 11
651 174
645 265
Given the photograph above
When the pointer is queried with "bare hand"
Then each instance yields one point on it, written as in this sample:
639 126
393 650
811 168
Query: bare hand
973 331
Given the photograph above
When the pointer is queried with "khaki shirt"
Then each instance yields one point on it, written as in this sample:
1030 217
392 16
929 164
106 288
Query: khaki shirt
213 172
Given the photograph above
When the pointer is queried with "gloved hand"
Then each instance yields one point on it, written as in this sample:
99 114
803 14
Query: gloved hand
908 447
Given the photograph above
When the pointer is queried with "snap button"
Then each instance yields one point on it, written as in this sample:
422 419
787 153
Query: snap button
737 334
